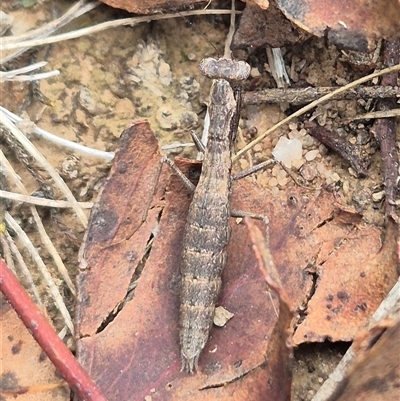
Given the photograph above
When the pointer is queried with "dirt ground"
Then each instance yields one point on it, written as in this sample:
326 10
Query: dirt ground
150 71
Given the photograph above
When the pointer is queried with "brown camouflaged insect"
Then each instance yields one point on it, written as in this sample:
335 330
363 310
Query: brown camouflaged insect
207 229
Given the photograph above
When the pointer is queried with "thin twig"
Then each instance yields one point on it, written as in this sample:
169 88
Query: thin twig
297 96
74 12
15 75
61 141
310 106
375 114
107 25
229 37
34 200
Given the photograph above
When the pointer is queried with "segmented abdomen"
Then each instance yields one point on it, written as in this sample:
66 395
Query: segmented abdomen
202 265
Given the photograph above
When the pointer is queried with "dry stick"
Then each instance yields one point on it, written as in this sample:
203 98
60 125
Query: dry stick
297 96
374 115
75 11
312 105
385 131
47 338
342 146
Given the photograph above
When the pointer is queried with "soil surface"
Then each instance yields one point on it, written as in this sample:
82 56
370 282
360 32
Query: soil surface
150 71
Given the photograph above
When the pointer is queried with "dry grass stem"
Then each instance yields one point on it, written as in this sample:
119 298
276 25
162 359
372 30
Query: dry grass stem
61 141
34 200
74 12
310 106
30 148
103 26
23 269
15 75
42 232
53 289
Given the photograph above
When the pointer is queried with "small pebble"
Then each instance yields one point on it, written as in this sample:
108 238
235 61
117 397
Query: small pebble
352 172
257 148
294 134
307 141
322 170
273 182
297 163
275 170
311 155
244 164
363 137
323 150
282 182
281 174
346 187
309 171
86 100
221 316
378 196
335 177
275 191
287 150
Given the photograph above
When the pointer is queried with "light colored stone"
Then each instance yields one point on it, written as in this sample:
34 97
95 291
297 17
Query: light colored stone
222 316
311 155
287 150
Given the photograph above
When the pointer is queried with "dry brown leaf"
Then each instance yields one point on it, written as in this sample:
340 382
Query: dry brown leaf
375 373
280 345
148 6
265 27
347 292
133 351
111 253
26 373
350 24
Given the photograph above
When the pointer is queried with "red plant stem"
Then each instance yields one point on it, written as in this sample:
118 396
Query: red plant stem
47 338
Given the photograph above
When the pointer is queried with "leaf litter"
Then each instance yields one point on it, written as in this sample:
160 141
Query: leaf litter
133 351
112 313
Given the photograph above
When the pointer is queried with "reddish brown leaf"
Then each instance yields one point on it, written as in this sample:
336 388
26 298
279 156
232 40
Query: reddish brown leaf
135 353
347 293
261 28
25 370
148 6
350 23
375 373
112 253
280 346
